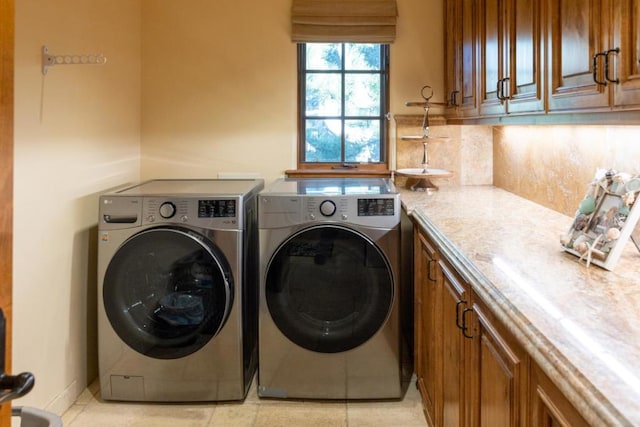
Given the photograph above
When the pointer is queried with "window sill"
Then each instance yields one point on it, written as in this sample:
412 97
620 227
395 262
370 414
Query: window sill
338 173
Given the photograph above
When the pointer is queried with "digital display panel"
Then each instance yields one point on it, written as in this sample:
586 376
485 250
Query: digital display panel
376 207
216 208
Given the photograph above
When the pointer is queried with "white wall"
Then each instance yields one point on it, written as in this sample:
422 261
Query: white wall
219 83
77 133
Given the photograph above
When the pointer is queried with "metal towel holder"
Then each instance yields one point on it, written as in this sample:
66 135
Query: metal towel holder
49 60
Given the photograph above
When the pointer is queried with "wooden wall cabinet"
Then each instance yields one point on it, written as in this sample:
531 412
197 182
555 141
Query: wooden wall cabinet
471 371
511 61
542 56
461 57
626 38
594 46
577 32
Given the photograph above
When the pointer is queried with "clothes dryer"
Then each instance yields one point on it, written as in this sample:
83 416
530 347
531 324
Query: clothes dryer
330 289
178 290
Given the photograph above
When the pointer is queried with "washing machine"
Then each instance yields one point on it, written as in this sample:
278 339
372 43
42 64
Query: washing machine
178 290
329 324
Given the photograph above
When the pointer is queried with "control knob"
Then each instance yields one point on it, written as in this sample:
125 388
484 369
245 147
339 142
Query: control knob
167 210
327 208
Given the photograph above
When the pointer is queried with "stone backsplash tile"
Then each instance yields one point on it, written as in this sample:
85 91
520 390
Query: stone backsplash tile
553 165
466 151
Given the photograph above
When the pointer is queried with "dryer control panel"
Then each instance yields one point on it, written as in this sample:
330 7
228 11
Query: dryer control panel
280 211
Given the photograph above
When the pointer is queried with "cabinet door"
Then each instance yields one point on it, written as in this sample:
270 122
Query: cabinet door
511 77
524 87
577 31
461 51
426 336
454 301
494 48
498 373
626 37
549 407
452 45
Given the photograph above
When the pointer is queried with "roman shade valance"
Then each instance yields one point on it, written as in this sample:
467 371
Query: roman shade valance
357 21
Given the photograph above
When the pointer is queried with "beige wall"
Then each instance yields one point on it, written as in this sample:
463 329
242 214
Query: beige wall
189 90
219 83
192 90
77 133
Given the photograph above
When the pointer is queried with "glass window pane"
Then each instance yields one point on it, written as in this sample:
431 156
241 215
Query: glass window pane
362 56
362 97
324 56
324 94
362 140
322 140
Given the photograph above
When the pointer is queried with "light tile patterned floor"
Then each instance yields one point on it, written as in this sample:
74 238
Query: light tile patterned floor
91 411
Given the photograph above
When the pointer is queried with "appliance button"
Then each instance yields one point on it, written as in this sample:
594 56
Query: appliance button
327 208
167 210
312 217
151 218
184 218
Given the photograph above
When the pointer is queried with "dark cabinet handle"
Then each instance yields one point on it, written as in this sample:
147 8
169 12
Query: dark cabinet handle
464 322
458 324
606 65
500 89
14 386
595 68
453 98
505 97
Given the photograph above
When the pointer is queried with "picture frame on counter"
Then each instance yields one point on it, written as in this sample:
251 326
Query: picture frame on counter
605 219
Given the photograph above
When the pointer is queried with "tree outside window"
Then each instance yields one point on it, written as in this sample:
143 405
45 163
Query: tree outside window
343 102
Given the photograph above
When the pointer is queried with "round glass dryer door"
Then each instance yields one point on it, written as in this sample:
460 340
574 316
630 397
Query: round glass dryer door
329 289
167 292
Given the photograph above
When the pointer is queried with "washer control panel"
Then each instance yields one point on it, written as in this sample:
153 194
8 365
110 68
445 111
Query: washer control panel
210 212
206 211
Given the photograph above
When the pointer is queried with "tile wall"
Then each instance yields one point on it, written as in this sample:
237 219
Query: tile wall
466 151
553 165
550 165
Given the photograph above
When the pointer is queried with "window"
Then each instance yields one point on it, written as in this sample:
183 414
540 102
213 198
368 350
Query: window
343 104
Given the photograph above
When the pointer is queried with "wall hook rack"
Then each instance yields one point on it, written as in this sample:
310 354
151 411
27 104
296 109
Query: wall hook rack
49 60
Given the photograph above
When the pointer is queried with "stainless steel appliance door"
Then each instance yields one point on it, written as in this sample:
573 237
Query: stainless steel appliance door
167 292
329 288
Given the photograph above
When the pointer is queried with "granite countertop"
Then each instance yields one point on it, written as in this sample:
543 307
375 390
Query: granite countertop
581 325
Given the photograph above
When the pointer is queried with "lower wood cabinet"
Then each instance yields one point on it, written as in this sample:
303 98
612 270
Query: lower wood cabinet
471 370
426 340
455 295
549 408
498 371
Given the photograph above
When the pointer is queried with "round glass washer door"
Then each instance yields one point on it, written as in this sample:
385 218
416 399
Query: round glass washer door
329 289
167 292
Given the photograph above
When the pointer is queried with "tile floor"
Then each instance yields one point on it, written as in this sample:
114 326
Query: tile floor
91 411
